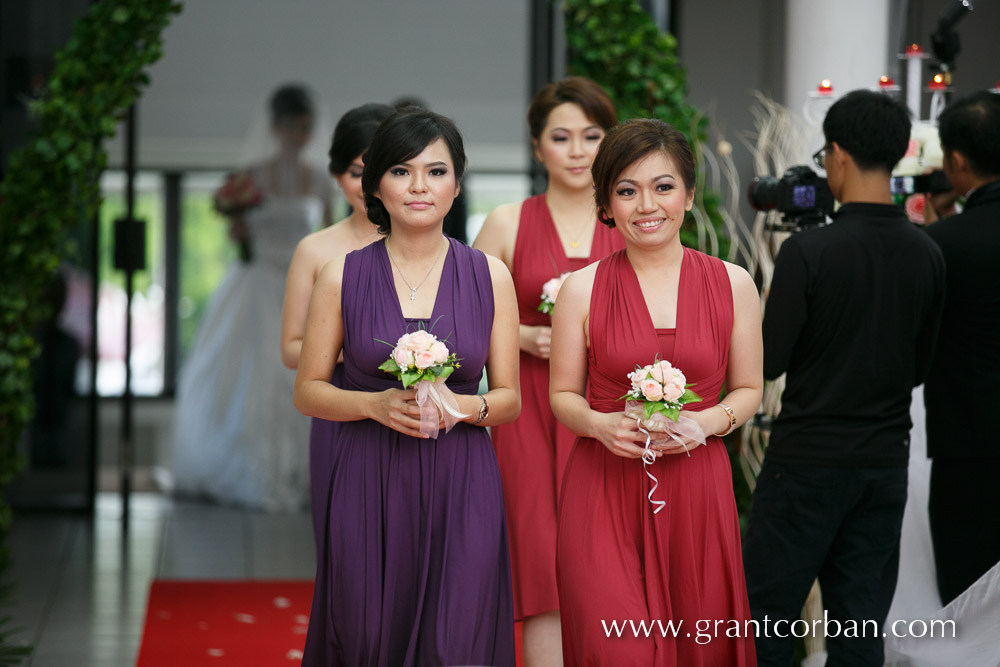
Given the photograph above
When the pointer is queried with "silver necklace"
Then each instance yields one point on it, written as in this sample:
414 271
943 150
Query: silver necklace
413 290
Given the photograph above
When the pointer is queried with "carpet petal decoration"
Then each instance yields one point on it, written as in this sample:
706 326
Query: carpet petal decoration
220 623
244 623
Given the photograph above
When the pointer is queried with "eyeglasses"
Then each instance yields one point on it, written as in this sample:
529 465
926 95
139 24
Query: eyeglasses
819 158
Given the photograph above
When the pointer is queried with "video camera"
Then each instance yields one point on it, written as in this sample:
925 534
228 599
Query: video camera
801 196
932 183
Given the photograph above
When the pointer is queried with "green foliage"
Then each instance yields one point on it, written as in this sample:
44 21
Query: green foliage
617 44
413 375
52 184
206 252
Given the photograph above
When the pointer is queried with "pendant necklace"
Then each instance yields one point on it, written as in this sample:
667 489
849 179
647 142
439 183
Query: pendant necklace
413 290
574 242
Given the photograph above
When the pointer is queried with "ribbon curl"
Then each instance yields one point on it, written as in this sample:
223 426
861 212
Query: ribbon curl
437 402
684 427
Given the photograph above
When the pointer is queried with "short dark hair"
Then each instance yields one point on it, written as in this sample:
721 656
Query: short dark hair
579 90
353 133
290 101
971 125
628 143
401 137
872 127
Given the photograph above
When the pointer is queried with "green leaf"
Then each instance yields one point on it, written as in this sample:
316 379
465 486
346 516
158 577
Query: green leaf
411 378
389 366
690 397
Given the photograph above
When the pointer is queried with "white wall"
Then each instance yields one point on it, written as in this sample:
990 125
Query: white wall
466 58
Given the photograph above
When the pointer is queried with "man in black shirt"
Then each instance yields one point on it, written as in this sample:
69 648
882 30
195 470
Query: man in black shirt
962 393
851 319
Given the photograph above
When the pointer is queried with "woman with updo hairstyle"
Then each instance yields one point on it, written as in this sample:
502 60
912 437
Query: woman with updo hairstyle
351 137
238 440
618 555
541 239
414 561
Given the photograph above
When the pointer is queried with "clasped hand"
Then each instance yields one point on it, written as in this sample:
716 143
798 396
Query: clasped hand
537 341
398 409
621 435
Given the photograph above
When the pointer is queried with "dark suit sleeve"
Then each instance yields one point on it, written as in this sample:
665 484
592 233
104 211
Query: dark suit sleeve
926 341
785 310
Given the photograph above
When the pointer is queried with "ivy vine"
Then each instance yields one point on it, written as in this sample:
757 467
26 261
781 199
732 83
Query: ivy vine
52 185
618 45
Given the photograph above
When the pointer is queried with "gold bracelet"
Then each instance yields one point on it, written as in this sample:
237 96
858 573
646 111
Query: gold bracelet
732 419
484 410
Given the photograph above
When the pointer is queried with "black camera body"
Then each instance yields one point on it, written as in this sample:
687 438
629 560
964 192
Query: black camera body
932 183
801 196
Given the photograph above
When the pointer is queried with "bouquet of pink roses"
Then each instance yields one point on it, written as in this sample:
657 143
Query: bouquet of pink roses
422 361
658 389
658 393
550 290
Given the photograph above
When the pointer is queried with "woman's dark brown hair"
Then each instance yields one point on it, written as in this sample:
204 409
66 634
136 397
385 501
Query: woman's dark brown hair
629 142
401 137
579 90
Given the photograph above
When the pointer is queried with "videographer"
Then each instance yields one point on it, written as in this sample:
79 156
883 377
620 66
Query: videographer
851 318
962 393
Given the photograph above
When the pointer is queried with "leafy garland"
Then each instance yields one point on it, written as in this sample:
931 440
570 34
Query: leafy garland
52 184
617 44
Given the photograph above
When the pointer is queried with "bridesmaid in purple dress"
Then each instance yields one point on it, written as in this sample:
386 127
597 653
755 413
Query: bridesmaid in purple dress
414 563
351 137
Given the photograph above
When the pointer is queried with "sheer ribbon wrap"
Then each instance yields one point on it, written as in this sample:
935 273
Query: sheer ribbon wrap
675 431
437 403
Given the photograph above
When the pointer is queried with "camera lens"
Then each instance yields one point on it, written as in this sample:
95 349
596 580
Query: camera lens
764 193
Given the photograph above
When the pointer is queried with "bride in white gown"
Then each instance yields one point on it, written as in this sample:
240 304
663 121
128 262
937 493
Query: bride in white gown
963 632
238 438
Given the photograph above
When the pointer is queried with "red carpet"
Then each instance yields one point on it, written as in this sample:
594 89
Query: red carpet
243 623
218 623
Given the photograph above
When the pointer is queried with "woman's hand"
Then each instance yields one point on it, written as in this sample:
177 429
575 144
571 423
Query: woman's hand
706 421
536 341
398 409
238 230
619 434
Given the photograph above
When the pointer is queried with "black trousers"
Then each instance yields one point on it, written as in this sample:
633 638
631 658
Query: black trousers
839 524
965 522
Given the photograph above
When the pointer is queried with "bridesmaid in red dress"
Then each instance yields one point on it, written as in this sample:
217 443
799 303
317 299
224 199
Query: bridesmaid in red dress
540 239
616 559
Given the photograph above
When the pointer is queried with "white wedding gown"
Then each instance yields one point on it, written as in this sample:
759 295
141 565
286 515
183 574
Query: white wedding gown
975 613
238 438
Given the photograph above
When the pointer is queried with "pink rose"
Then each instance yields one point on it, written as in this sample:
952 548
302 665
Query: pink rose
420 341
440 352
672 391
656 372
402 357
550 290
652 390
424 359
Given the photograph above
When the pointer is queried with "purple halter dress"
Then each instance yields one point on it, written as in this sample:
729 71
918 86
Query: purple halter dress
414 566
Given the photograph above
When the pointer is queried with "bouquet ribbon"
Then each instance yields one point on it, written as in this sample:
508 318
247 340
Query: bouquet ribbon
436 401
675 430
